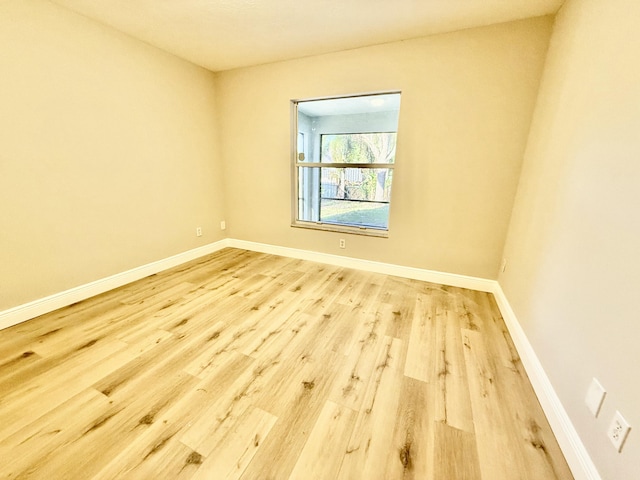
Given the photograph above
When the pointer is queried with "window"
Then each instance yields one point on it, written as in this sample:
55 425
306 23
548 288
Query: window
343 162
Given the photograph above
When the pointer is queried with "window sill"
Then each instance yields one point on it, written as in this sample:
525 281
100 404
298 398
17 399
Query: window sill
331 227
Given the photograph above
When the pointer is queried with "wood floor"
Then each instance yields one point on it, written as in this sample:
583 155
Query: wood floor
243 365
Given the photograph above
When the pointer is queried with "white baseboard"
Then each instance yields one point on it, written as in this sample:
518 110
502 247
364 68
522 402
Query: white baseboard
30 310
574 450
451 279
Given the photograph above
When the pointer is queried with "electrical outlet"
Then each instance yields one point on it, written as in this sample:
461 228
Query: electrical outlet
198 231
343 243
618 431
223 225
595 397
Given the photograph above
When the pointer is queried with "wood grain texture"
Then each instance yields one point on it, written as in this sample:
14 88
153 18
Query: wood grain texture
242 365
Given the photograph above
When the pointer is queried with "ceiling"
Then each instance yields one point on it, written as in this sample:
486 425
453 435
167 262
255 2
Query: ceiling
225 34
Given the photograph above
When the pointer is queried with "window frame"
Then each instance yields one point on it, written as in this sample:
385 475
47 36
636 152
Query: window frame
296 164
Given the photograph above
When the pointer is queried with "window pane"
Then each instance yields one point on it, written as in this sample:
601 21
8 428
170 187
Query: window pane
309 194
356 213
365 184
358 148
345 196
372 115
355 196
344 132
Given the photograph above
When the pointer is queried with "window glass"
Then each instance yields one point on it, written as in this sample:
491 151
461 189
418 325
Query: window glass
344 156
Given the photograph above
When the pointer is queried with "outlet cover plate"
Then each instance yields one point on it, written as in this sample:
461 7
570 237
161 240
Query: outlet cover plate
595 397
618 431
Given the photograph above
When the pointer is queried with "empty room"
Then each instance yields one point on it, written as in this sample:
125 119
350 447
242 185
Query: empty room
319 239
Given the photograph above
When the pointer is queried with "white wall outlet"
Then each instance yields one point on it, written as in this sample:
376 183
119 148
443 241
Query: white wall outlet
198 231
595 397
343 243
618 431
223 225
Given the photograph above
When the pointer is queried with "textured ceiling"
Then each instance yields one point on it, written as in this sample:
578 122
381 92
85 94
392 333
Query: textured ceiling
224 34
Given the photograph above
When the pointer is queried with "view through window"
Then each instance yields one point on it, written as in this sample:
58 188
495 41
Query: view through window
343 164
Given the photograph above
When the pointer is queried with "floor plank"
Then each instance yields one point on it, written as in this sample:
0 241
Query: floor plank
366 453
456 455
238 447
321 456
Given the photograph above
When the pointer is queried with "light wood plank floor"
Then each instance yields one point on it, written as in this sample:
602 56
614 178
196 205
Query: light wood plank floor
243 365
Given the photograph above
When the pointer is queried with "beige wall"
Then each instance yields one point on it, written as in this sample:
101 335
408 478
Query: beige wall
467 99
108 154
573 275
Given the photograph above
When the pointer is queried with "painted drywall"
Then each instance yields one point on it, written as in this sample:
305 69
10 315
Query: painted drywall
467 101
573 269
108 153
